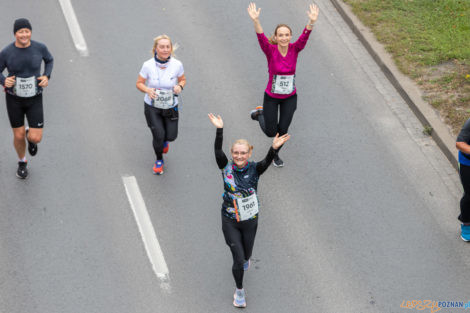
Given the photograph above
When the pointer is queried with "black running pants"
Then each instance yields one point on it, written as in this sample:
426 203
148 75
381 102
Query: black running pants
277 114
240 237
465 201
162 128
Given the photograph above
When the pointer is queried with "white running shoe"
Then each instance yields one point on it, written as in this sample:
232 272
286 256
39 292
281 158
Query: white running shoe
239 298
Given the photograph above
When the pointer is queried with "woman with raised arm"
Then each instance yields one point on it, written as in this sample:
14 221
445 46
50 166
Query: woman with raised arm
240 202
280 93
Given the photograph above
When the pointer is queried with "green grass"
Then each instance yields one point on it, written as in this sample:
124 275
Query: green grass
425 32
429 41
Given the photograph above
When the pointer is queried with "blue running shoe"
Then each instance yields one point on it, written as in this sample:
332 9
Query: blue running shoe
239 298
246 265
465 234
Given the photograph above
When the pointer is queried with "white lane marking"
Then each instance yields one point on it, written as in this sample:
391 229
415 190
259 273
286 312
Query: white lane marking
147 231
74 27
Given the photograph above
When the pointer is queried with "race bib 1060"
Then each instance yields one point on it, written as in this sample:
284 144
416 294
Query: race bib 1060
283 84
25 87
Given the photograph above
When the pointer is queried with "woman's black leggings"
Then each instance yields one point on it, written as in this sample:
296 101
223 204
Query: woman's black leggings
240 237
162 128
465 201
269 119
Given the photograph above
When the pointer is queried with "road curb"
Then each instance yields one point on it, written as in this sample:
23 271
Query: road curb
408 89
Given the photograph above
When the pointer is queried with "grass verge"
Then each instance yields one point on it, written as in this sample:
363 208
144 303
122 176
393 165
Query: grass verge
429 42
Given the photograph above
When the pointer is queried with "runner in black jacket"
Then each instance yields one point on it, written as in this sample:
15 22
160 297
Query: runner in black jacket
240 206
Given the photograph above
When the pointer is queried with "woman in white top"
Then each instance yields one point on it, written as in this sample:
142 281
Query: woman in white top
162 80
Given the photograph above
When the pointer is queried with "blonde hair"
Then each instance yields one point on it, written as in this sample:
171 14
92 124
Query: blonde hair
158 38
272 39
242 142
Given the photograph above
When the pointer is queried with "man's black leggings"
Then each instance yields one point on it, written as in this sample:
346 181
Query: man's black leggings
240 237
269 119
162 128
465 201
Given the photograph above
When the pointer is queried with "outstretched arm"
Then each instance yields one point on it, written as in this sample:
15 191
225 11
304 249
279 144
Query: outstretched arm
312 15
220 156
254 15
277 143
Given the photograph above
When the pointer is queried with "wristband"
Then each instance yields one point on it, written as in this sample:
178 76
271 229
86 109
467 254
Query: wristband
181 87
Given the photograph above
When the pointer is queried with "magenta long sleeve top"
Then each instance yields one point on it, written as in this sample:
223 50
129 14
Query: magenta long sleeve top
279 65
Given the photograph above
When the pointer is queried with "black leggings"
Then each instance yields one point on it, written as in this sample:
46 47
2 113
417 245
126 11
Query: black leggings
162 128
464 216
269 119
240 237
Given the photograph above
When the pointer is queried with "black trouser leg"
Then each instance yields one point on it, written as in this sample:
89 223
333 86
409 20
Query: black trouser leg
269 119
171 129
240 237
162 128
464 216
270 113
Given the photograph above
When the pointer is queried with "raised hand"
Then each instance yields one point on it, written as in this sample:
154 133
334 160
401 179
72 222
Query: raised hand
279 141
216 121
313 13
253 12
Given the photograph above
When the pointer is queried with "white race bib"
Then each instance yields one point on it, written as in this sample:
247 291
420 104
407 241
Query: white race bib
25 87
164 99
283 84
246 207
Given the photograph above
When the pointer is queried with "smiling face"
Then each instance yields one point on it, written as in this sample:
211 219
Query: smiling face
241 152
163 49
23 37
283 36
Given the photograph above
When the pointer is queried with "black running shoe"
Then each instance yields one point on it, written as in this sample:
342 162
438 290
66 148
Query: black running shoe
32 147
22 171
256 112
277 162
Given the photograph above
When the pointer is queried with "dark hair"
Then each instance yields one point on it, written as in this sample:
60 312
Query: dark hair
271 39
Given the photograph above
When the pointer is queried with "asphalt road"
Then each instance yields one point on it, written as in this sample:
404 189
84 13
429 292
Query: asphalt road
361 218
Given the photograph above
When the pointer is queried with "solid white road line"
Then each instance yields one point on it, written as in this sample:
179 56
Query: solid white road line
74 27
146 229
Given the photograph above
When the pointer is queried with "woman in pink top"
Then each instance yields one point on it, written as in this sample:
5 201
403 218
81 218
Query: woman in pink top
280 92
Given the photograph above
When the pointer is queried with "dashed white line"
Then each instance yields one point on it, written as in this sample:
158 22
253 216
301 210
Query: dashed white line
147 231
74 27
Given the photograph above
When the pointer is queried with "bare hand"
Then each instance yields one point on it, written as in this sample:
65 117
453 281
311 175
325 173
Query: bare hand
253 12
177 89
279 141
43 81
217 121
10 81
152 93
313 13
